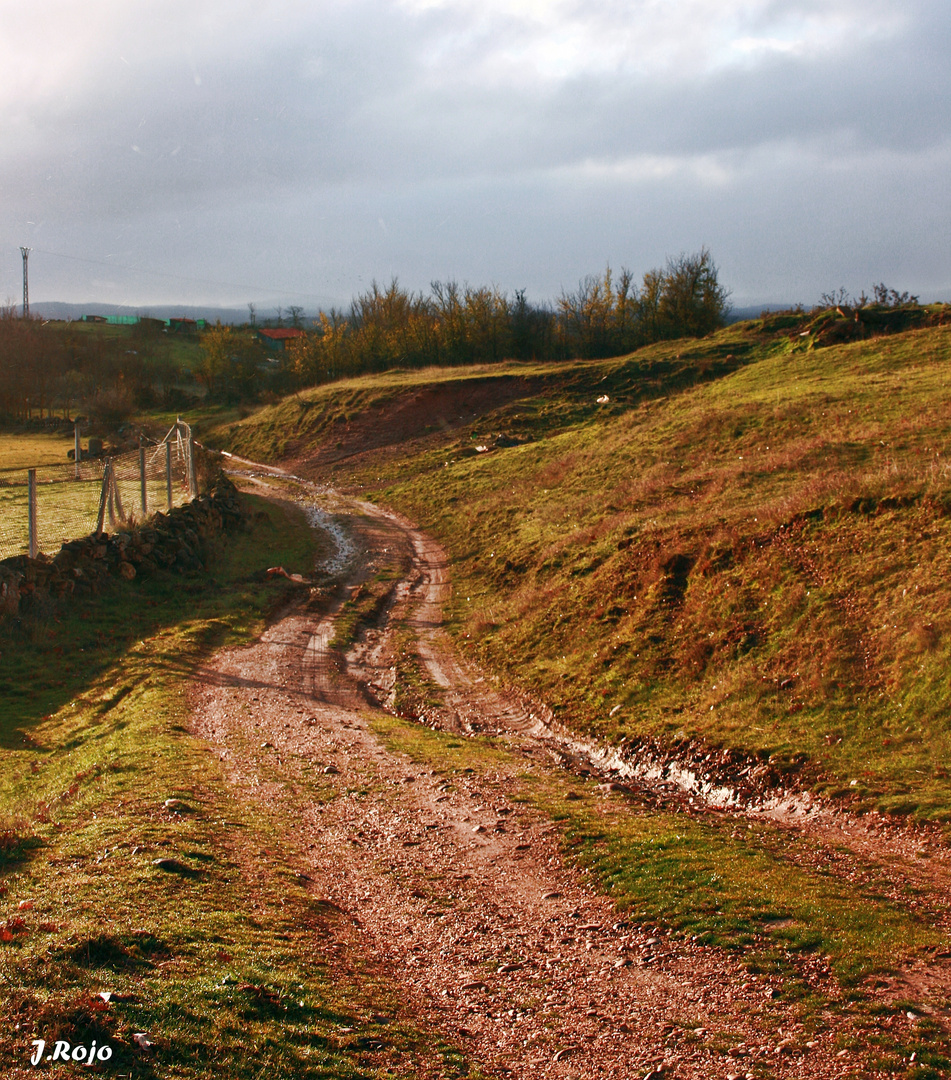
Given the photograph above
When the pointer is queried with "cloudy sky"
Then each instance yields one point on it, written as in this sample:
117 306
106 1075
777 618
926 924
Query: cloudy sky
292 151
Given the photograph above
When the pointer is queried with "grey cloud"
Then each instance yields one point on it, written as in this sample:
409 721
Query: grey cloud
354 102
296 129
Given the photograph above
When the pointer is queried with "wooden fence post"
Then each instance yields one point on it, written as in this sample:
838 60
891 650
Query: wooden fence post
103 499
31 511
168 472
143 487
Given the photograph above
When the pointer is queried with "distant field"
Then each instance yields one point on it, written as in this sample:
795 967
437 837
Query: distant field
183 349
68 507
24 451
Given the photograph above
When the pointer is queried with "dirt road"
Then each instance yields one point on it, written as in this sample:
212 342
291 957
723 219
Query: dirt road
458 893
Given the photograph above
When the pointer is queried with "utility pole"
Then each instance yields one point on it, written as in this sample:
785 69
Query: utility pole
25 252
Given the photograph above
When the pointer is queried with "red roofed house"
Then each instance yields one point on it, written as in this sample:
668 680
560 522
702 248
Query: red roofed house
277 339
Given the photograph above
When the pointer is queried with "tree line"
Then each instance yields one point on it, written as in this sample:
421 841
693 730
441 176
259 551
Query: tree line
605 316
108 373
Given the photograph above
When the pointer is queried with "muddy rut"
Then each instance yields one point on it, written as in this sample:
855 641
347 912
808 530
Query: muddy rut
459 895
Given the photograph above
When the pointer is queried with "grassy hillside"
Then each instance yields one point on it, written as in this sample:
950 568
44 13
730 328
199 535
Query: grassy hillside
747 544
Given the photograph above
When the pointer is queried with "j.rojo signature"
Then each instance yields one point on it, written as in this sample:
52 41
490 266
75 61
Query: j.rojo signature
63 1051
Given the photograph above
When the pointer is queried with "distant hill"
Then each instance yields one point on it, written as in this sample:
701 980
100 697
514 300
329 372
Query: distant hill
54 309
753 311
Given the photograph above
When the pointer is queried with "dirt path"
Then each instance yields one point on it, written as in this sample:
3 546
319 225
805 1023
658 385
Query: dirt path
460 894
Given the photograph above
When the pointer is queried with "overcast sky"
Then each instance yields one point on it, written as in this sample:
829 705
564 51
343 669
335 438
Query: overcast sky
290 152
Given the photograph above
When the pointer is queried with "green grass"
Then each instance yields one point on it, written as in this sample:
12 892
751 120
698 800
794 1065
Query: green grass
64 511
222 958
27 450
69 509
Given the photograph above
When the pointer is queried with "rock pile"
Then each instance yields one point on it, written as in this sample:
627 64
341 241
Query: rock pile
179 541
837 325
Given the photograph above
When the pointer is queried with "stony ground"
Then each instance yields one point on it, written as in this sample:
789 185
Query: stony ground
458 893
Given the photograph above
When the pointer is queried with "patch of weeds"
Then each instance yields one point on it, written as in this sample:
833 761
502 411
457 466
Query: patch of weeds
118 953
75 1016
443 752
415 694
362 609
726 891
366 605
16 843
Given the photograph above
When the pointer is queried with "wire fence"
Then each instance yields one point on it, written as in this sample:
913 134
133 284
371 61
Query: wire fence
41 508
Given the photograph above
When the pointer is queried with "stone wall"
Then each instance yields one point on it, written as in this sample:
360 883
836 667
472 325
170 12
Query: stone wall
180 541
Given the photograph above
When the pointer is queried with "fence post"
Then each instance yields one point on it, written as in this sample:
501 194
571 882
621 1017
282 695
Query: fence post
168 472
115 497
192 474
142 484
103 498
31 505
78 452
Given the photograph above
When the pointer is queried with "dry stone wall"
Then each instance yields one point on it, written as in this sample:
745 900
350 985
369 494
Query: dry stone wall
179 541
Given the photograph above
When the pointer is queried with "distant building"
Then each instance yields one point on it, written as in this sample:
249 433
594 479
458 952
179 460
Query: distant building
276 340
176 326
186 326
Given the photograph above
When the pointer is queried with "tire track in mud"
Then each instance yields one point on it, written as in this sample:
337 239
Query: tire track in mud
460 895
468 703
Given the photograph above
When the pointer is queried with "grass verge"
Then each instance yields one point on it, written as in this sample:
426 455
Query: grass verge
138 896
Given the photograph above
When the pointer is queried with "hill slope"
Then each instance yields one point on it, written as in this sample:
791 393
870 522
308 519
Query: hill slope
745 548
